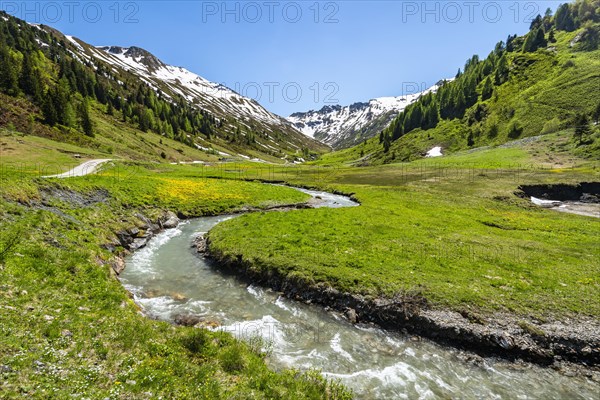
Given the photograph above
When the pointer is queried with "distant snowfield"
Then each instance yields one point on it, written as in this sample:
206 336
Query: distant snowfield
435 152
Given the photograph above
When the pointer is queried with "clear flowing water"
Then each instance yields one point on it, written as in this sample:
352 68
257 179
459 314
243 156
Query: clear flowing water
167 278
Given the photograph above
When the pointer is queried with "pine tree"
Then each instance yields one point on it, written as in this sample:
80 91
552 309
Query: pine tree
9 78
535 40
499 49
536 23
590 37
488 88
529 45
460 104
49 110
510 45
59 95
470 92
143 119
84 118
582 127
540 38
515 129
596 114
30 80
502 70
386 143
69 116
564 19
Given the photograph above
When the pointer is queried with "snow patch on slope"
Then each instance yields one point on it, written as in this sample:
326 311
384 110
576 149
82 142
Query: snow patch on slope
435 152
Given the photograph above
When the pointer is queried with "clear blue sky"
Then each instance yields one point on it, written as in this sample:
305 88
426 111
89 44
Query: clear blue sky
347 51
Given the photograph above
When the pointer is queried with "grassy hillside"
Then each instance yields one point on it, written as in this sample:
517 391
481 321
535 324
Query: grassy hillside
544 91
53 87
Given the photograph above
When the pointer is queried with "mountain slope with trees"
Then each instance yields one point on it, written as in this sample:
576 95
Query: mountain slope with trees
56 86
543 82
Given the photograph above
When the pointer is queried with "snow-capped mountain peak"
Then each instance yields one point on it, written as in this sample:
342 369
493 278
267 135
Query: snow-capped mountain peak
235 114
208 95
344 126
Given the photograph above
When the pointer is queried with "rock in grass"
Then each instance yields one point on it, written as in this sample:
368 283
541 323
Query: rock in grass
118 265
5 369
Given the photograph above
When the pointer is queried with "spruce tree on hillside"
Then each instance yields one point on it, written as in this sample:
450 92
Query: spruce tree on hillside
386 143
582 127
540 38
564 19
510 43
596 114
9 77
488 88
502 70
62 102
49 110
514 129
590 37
536 23
535 40
84 118
30 81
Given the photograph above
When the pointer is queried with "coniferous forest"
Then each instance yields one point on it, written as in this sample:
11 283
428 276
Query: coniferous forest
467 96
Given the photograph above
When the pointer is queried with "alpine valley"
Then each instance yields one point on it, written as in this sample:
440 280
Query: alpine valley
164 237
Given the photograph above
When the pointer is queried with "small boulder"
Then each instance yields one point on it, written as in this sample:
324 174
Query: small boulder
138 243
124 238
504 340
210 324
350 313
169 220
5 369
187 320
178 297
118 265
200 244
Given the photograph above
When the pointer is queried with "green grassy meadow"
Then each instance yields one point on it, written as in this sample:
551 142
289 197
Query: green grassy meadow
68 326
449 229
